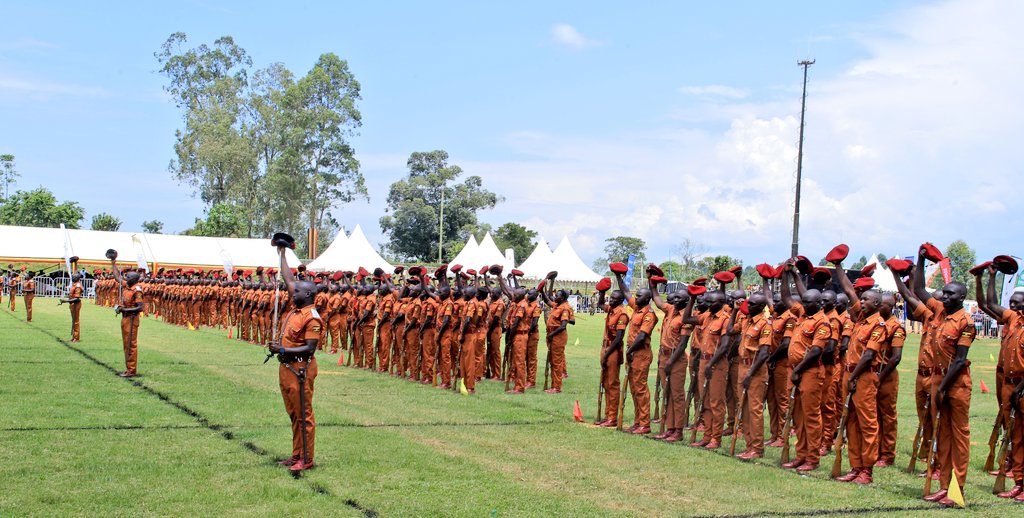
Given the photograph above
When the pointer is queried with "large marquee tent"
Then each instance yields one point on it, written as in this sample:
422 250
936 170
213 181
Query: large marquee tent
348 253
152 251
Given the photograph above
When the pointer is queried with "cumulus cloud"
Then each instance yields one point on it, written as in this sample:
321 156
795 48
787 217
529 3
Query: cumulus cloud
566 35
915 142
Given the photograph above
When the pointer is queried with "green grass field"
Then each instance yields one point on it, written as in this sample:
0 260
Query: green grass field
199 433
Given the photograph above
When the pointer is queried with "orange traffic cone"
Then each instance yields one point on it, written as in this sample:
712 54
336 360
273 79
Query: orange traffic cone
984 387
229 333
577 414
341 356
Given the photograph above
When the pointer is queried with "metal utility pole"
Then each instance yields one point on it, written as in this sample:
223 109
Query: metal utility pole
800 161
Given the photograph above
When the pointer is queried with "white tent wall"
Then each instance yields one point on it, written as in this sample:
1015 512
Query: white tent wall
29 244
335 252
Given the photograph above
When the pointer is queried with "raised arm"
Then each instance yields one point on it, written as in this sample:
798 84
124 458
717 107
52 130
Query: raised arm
844 281
286 273
920 287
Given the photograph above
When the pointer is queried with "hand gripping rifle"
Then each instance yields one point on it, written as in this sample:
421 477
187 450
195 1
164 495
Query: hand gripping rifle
837 465
1004 449
919 437
700 408
737 425
993 439
784 456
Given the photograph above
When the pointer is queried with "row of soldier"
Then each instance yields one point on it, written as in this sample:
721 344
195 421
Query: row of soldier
823 363
426 328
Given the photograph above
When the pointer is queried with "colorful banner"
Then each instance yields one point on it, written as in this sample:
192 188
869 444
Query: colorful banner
947 274
630 263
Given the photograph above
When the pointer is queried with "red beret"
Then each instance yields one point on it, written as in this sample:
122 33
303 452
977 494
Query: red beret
765 270
700 282
442 268
414 280
318 280
931 252
804 265
657 279
336 277
471 272
496 269
868 270
378 271
821 276
695 290
735 270
1005 264
980 268
517 273
745 308
302 267
294 271
415 271
464 275
604 284
364 272
864 283
399 269
725 277
900 266
271 271
551 275
540 285
838 254
654 269
455 268
618 268
259 269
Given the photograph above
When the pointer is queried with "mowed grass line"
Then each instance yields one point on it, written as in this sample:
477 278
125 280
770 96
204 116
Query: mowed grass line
400 448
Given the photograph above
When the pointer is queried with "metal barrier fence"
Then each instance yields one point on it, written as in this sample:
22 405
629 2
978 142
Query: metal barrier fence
56 287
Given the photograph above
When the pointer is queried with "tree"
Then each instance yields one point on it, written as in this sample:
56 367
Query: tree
412 219
861 263
961 260
7 172
688 252
275 148
618 249
517 237
711 265
153 226
104 221
673 270
39 208
222 220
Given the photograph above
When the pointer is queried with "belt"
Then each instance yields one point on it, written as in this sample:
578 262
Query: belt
705 356
747 362
924 372
1013 381
850 368
293 359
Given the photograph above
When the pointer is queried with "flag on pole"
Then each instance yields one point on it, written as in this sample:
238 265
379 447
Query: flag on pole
630 263
462 387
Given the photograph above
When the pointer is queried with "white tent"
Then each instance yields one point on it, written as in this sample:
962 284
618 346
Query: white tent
569 265
467 256
353 252
488 253
539 262
46 245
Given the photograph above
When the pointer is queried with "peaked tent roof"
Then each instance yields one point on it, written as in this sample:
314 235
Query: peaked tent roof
356 251
569 265
538 264
467 255
335 251
489 254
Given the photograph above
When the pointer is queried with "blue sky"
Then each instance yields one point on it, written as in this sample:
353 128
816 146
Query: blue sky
661 121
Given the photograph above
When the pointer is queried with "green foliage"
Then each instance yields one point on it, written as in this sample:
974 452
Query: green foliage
153 226
517 237
414 206
618 249
7 172
39 208
275 148
222 220
106 222
862 262
711 265
961 260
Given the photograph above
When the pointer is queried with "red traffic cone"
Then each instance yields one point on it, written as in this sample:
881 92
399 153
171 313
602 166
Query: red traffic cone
984 387
341 358
229 333
577 414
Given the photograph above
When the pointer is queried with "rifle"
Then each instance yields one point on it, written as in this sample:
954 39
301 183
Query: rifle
547 367
1000 478
668 391
691 393
700 408
1004 448
437 361
736 425
931 454
622 399
918 438
993 439
657 393
837 466
784 456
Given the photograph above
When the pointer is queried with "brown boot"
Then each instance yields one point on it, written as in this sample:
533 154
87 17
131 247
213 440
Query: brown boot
864 478
849 476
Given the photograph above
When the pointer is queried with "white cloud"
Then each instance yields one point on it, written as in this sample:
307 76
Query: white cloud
567 35
41 89
917 142
717 91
